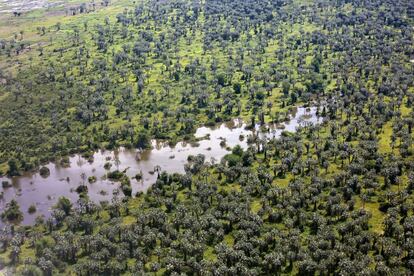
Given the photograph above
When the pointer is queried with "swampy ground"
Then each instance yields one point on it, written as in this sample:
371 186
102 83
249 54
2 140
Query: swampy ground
63 179
329 198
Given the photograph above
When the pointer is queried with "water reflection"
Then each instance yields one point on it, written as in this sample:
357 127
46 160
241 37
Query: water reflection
31 188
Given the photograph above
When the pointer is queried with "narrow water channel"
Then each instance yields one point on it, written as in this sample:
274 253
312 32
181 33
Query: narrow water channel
32 188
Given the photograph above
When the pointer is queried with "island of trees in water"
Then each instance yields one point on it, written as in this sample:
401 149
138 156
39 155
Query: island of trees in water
331 198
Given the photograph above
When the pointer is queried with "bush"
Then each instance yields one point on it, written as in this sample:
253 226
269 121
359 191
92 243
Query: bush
115 175
6 184
107 165
44 172
127 190
82 189
32 209
138 176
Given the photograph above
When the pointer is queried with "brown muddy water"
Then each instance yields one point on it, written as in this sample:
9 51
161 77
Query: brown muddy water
33 189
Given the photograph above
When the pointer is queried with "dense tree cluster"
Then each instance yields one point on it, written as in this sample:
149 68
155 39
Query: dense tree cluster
334 198
159 69
234 218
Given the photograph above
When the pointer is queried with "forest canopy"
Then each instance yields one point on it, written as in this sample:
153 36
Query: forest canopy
330 198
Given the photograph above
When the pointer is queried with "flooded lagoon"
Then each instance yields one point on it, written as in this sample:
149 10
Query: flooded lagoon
32 188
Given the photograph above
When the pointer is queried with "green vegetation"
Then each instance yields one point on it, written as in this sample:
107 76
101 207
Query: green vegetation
333 198
44 171
92 179
12 212
32 209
